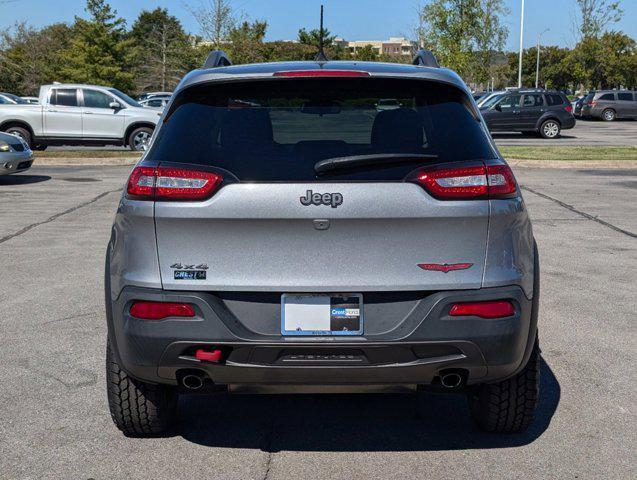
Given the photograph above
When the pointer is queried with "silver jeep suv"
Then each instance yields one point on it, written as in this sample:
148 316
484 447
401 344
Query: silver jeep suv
282 229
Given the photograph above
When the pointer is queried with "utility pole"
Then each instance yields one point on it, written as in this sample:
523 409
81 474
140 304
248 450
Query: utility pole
521 45
537 65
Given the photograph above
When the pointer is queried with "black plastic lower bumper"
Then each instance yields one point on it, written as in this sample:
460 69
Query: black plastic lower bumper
413 351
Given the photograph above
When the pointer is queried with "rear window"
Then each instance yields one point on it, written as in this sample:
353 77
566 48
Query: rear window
554 99
64 97
278 130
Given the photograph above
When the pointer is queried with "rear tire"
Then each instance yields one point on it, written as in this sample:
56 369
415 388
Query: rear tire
138 408
508 406
21 132
609 115
139 138
550 129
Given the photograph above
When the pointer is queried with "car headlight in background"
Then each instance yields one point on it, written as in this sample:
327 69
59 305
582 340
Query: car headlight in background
4 146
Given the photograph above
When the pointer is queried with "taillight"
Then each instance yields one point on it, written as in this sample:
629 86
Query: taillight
492 181
159 310
492 309
592 104
321 73
568 108
165 183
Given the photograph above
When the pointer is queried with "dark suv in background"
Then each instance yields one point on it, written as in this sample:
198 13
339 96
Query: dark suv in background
529 111
609 105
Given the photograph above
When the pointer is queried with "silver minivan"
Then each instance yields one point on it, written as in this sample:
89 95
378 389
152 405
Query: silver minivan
610 105
282 229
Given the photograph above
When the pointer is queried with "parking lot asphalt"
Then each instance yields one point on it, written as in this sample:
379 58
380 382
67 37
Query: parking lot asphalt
585 133
54 226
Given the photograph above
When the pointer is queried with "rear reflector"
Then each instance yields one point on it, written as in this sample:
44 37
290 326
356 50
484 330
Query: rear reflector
445 267
493 181
493 309
321 73
159 310
164 183
208 356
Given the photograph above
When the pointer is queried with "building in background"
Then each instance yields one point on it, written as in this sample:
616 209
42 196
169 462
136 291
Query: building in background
393 46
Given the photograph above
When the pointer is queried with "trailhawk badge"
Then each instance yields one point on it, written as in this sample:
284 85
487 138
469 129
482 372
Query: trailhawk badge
331 199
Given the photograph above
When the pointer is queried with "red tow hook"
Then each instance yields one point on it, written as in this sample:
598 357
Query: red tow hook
208 356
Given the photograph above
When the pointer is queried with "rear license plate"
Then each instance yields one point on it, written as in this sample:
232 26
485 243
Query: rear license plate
340 314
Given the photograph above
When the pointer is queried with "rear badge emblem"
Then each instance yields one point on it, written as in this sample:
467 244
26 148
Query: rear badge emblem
189 272
331 199
445 267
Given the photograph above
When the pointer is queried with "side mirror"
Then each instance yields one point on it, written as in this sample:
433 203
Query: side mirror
498 108
115 105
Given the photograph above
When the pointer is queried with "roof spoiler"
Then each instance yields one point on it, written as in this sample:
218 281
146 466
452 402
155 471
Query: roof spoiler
217 58
425 58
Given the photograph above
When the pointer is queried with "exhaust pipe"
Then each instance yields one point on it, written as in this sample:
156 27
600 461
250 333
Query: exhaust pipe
192 382
451 380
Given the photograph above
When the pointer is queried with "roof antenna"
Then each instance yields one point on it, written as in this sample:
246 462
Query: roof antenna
320 56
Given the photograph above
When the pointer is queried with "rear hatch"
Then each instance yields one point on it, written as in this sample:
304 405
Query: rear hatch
321 185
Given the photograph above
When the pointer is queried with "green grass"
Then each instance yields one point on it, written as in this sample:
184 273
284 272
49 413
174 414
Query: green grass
564 153
88 154
569 153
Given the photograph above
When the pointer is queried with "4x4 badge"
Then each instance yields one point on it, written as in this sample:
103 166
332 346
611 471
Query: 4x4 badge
201 266
331 199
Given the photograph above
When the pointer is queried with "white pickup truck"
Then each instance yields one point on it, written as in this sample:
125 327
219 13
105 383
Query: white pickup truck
70 114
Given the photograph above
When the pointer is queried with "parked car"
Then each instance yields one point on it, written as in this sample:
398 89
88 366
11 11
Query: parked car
15 154
146 95
155 102
529 111
488 97
70 114
281 229
11 99
610 105
31 100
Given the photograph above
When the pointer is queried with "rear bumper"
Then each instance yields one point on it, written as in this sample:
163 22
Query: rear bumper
413 351
568 122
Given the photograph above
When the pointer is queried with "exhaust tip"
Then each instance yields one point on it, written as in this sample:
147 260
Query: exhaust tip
451 380
192 382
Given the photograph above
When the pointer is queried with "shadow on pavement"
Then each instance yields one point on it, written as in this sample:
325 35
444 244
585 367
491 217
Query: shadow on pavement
22 179
518 135
350 422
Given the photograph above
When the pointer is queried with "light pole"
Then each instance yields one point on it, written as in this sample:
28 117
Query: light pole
521 45
537 64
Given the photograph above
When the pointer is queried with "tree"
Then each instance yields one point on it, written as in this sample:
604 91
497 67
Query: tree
215 18
465 35
99 51
595 15
245 42
30 57
366 54
161 50
313 37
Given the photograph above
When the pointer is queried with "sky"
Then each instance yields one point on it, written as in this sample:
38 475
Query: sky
349 19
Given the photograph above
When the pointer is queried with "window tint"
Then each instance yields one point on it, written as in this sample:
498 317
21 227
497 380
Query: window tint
607 96
510 101
554 99
533 101
155 103
625 96
96 99
66 97
278 130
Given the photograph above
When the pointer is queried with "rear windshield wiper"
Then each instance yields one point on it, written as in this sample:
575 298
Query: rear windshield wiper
377 159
